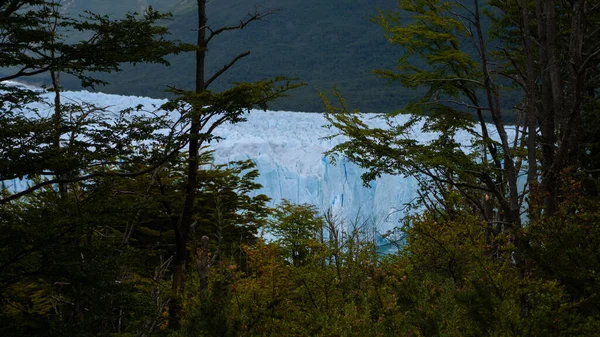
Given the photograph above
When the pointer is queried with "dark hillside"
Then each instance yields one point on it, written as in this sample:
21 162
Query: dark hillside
325 43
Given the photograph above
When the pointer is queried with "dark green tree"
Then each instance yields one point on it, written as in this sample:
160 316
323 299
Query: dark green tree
64 146
55 244
296 228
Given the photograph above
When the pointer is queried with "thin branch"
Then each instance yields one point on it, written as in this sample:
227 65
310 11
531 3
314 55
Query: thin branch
254 17
460 4
515 65
23 73
224 69
459 79
466 105
588 59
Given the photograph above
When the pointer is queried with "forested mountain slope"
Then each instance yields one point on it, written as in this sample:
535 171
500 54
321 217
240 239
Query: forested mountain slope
325 43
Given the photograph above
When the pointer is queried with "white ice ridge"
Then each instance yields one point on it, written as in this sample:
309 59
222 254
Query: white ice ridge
288 149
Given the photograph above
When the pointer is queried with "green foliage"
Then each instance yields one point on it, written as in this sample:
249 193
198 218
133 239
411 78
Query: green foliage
451 278
297 229
92 261
88 245
480 265
74 141
127 136
450 86
65 272
227 212
35 41
213 109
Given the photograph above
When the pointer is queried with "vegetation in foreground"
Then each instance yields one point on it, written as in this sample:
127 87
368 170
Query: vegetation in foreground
127 229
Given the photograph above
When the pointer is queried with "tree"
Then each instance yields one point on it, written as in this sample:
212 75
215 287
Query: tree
36 39
137 213
52 243
567 62
227 211
471 60
297 229
206 111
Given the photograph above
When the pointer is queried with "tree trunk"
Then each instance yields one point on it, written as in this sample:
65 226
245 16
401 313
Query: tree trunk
183 226
561 99
531 110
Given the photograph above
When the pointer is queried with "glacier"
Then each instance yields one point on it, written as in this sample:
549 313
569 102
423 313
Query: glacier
288 150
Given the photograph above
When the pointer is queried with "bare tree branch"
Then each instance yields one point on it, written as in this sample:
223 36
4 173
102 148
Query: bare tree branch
464 104
23 72
224 69
254 17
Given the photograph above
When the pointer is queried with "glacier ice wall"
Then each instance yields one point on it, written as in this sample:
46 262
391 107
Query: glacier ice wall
288 149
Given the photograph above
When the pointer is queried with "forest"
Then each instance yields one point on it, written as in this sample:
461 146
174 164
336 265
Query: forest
126 227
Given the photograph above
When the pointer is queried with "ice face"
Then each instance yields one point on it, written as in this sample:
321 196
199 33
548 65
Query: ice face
288 150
